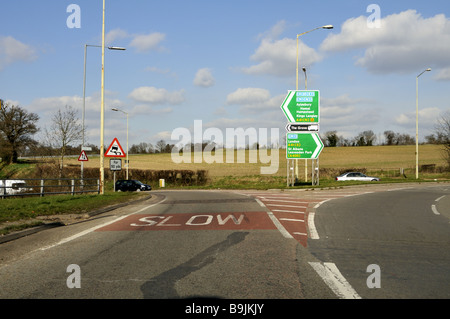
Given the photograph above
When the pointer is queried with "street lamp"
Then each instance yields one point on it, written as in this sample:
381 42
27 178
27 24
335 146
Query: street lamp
117 110
328 27
102 108
84 92
417 122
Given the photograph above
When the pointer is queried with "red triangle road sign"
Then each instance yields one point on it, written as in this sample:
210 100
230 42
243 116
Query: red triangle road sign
115 150
83 157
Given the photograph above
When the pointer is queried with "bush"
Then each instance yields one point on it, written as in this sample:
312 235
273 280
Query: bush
175 177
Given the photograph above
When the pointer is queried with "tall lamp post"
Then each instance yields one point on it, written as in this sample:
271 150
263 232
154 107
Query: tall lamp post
118 110
329 26
84 93
417 122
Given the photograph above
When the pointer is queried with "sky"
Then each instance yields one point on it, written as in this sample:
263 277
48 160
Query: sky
228 64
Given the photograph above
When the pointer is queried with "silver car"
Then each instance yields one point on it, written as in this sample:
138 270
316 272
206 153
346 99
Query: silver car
356 176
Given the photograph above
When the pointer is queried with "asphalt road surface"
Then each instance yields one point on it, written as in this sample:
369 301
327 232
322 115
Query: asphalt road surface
180 245
244 245
403 235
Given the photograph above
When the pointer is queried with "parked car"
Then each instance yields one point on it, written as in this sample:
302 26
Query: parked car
356 176
131 186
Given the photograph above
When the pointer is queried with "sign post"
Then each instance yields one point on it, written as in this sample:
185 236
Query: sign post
302 110
115 165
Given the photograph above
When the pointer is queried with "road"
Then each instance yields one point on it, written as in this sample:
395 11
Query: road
244 245
179 245
405 233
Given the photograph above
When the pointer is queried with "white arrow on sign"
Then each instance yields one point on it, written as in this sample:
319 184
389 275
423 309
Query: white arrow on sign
286 104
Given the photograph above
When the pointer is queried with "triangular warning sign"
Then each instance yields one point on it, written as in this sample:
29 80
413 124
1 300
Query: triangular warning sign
115 150
83 157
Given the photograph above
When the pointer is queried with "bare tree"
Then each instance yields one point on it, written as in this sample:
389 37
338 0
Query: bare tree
16 128
65 129
443 132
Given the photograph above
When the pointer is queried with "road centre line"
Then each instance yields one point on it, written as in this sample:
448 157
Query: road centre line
90 230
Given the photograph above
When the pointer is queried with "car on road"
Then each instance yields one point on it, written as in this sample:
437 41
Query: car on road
131 186
356 176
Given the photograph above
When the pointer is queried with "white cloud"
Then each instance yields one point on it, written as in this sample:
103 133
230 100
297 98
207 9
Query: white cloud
12 50
152 95
204 78
254 99
443 75
141 42
406 42
427 117
148 42
115 35
279 56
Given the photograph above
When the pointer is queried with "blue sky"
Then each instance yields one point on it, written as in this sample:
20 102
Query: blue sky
228 63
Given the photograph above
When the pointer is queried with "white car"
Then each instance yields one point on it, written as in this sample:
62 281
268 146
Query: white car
356 176
12 187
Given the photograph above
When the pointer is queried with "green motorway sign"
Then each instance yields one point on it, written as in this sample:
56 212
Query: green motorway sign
302 106
303 145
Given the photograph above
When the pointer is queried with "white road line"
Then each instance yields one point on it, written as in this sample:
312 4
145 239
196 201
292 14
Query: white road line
334 279
292 220
90 230
285 201
276 205
438 199
288 211
312 227
275 221
301 234
434 209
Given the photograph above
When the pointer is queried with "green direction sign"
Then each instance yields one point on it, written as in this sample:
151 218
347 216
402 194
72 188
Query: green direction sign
303 145
302 106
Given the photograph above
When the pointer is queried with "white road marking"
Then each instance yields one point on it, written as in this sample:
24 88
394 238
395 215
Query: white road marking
334 279
287 211
312 227
276 205
292 220
90 230
434 209
275 221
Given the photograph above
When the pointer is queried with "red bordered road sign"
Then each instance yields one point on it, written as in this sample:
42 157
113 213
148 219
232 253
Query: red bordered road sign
115 150
83 157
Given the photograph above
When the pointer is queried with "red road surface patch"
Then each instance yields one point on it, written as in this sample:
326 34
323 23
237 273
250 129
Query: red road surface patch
201 221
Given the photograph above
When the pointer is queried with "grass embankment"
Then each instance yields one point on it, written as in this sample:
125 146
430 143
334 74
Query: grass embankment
20 213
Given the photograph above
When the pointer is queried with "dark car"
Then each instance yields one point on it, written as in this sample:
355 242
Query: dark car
131 186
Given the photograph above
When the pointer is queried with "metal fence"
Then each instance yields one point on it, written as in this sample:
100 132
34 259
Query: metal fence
42 187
